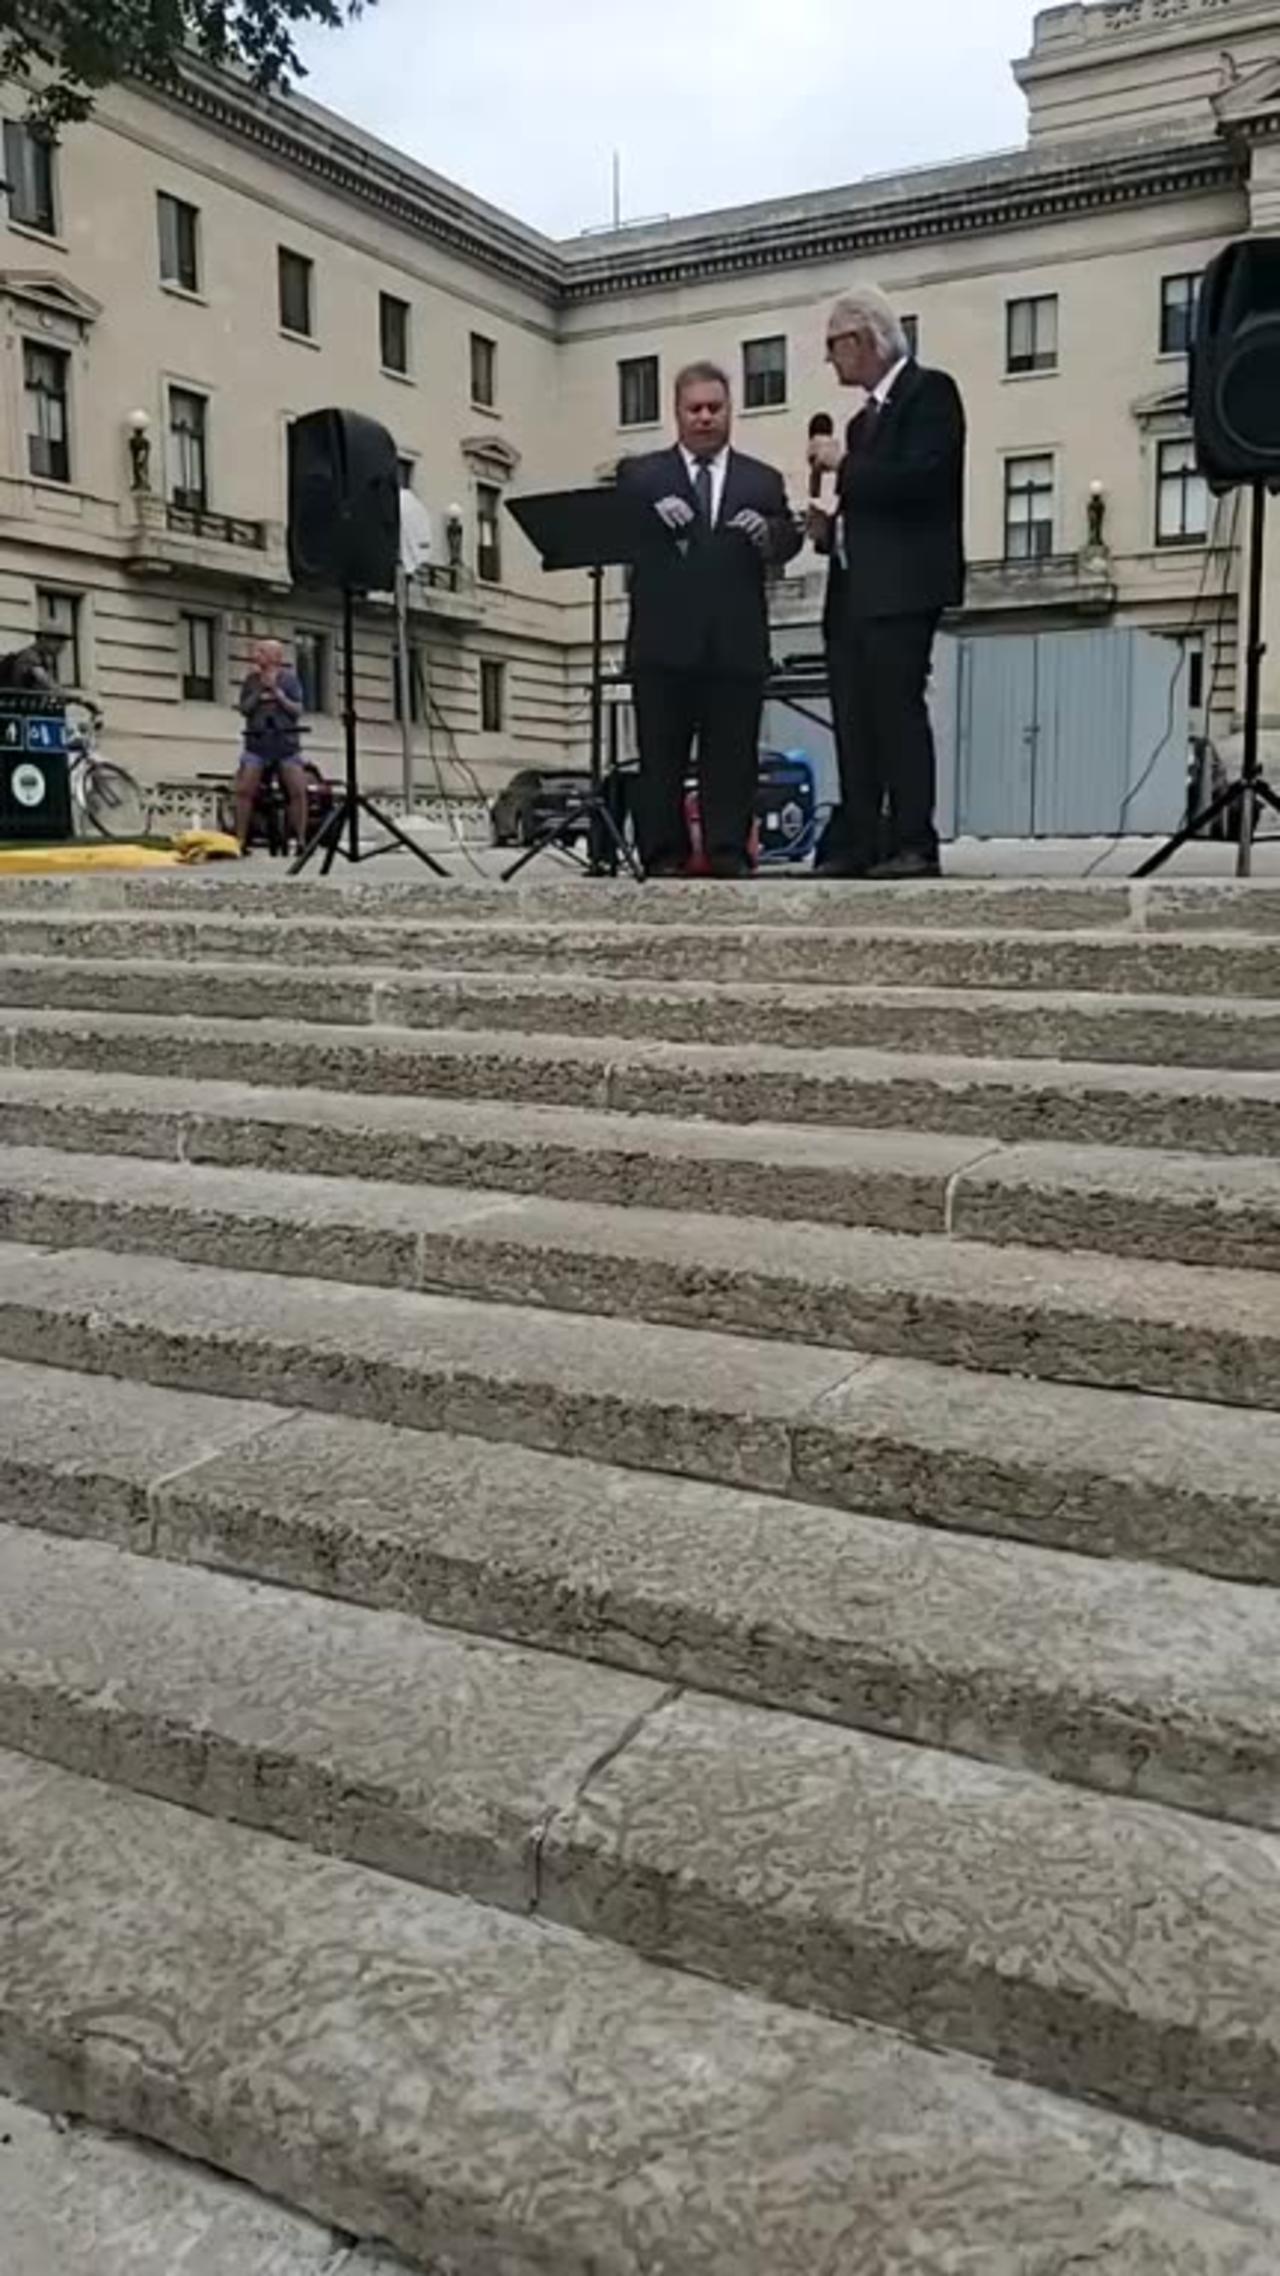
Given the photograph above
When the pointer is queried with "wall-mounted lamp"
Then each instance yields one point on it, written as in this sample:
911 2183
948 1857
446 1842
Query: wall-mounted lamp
1097 511
455 530
138 427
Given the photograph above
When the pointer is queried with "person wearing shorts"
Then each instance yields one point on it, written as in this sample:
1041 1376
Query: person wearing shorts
271 707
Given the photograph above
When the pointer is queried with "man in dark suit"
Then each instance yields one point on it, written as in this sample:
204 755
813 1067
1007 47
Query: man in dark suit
895 537
698 641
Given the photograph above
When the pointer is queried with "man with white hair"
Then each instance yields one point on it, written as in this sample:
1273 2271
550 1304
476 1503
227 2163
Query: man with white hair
895 539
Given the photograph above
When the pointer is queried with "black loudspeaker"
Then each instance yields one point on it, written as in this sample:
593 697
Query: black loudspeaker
1235 371
344 503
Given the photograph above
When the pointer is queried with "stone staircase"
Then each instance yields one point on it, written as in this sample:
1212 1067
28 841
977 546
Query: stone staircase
639 1537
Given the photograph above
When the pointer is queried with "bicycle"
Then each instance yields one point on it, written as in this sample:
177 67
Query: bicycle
106 801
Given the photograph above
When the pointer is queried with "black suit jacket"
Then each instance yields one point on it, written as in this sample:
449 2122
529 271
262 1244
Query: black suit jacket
902 498
698 600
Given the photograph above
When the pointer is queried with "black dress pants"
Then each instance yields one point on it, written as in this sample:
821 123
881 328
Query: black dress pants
879 675
721 711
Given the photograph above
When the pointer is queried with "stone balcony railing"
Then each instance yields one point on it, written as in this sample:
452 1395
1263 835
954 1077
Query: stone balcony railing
164 539
1081 21
1082 583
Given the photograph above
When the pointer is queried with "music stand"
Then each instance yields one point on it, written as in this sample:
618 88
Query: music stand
595 530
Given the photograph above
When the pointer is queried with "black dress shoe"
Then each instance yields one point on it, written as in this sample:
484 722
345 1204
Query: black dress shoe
664 868
842 865
729 866
903 867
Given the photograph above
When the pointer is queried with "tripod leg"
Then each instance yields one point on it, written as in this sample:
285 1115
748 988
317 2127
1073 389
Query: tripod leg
1224 804
541 845
325 836
608 825
402 837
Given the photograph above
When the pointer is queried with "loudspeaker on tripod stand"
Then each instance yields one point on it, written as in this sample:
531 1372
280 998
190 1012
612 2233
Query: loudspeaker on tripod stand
344 503
1235 410
345 537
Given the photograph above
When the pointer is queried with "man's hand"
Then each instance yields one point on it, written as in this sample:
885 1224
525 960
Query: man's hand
820 528
752 526
677 513
825 453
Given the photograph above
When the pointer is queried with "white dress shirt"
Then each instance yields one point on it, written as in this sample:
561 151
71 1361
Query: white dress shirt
719 466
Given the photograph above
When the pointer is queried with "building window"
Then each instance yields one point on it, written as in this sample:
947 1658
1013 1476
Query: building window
493 696
638 391
764 374
179 243
417 685
311 663
1182 496
47 381
1028 508
199 640
393 332
29 172
488 533
406 468
484 371
58 635
1179 304
297 292
1033 334
189 449
911 334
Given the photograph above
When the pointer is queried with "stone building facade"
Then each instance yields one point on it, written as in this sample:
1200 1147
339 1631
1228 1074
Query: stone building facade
189 271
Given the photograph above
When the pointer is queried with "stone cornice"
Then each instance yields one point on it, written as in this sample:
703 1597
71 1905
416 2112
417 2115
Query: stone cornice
1016 191
1018 200
294 134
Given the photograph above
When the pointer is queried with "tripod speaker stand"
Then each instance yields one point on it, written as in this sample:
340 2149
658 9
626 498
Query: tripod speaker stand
1243 797
592 530
340 832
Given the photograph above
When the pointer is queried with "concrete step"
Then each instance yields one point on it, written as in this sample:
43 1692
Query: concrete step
1109 1473
1105 1948
1122 1677
1001 905
1199 1031
1193 1208
1202 965
1181 1110
501 2093
1195 1333
76 2201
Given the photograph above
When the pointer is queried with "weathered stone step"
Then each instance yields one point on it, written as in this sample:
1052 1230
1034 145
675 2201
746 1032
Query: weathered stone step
1177 1109
1003 905
1098 1946
1201 1031
1196 1208
1123 1677
75 2201
495 2092
1184 1332
1110 1473
1203 964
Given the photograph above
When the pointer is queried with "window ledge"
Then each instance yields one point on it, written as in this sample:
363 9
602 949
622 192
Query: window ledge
46 237
402 378
762 410
299 339
183 292
485 410
640 427
1017 378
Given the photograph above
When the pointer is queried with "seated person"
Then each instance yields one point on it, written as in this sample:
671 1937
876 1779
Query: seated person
271 705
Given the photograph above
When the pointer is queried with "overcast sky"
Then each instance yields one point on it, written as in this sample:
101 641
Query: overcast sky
711 102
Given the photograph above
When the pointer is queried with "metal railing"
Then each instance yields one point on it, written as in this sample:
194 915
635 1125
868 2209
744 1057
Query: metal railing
216 529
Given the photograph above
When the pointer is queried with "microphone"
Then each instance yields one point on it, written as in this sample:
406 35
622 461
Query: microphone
821 425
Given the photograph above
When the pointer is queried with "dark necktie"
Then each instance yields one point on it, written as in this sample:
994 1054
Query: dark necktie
702 491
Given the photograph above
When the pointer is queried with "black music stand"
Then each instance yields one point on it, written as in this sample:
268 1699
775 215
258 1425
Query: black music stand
595 530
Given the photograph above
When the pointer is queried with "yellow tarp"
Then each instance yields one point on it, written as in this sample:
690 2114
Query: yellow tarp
74 860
